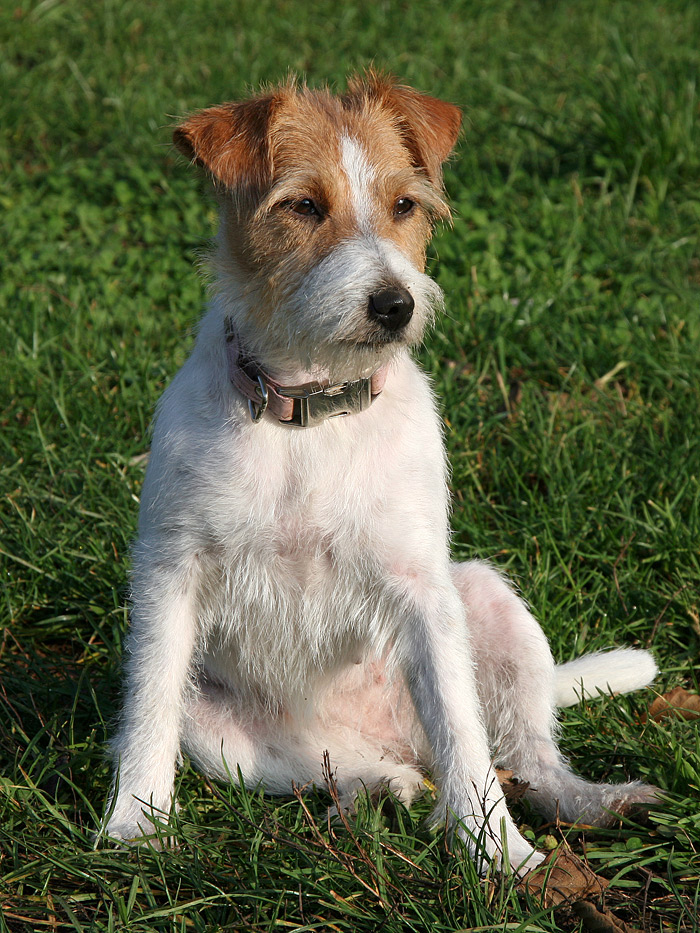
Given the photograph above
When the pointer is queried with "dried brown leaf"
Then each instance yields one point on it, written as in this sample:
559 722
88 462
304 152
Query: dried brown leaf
512 788
677 702
562 879
566 883
600 920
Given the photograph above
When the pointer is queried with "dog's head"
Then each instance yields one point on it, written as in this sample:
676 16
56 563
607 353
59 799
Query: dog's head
328 202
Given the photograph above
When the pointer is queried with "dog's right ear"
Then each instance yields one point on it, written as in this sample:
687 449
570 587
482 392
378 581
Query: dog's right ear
231 142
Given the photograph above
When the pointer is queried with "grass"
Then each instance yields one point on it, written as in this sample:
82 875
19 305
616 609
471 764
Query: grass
568 368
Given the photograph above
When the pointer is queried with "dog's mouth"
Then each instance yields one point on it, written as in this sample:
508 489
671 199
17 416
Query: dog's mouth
376 341
408 336
376 345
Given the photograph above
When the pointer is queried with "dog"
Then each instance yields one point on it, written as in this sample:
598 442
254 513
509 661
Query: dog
293 596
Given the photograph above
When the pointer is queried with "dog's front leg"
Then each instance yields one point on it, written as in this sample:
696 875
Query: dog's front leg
436 658
160 647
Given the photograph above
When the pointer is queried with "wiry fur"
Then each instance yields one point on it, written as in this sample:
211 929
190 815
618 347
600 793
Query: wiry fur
292 589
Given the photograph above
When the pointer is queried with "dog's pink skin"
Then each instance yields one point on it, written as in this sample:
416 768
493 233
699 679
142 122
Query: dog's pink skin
292 589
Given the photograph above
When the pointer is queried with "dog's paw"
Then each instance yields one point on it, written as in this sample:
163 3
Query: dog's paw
496 843
144 833
560 794
404 782
601 804
127 834
625 800
517 857
132 823
523 859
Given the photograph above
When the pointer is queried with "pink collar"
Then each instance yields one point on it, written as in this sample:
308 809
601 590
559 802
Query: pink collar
302 405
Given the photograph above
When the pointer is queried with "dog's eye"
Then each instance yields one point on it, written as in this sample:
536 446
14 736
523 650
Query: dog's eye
403 206
306 207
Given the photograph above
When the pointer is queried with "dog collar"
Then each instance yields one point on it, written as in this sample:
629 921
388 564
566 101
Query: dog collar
300 406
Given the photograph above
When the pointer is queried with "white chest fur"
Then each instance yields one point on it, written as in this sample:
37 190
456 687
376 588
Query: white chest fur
295 529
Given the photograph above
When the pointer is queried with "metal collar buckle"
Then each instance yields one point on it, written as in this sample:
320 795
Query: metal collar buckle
314 403
258 409
298 406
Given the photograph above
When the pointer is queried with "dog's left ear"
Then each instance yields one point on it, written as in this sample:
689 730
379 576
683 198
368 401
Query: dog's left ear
429 126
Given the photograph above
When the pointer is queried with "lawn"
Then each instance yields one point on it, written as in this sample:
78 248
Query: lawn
568 367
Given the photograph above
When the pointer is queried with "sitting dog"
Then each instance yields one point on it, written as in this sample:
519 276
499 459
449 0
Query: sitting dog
293 593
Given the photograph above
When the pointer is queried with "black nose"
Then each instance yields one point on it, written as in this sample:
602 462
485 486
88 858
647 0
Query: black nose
392 307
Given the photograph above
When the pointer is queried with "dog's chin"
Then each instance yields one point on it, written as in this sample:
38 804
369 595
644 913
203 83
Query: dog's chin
391 341
365 353
337 356
347 359
384 341
387 346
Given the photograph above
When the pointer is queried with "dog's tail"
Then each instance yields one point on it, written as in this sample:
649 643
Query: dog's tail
618 671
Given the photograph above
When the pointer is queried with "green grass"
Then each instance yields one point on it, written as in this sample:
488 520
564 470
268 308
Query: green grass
568 367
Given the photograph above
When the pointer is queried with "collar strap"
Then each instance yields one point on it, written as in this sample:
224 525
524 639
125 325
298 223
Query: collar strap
299 406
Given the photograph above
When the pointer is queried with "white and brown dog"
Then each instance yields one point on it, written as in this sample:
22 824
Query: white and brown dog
293 592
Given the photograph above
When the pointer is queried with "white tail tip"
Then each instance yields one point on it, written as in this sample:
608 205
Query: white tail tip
618 671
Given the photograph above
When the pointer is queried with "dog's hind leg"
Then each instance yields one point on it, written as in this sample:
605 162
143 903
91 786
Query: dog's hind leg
226 739
519 686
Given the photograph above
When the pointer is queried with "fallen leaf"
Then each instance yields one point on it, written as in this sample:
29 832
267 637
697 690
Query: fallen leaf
512 788
677 702
599 920
562 879
567 884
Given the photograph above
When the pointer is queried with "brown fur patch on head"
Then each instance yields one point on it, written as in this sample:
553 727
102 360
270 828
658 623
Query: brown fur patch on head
233 141
285 146
429 126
